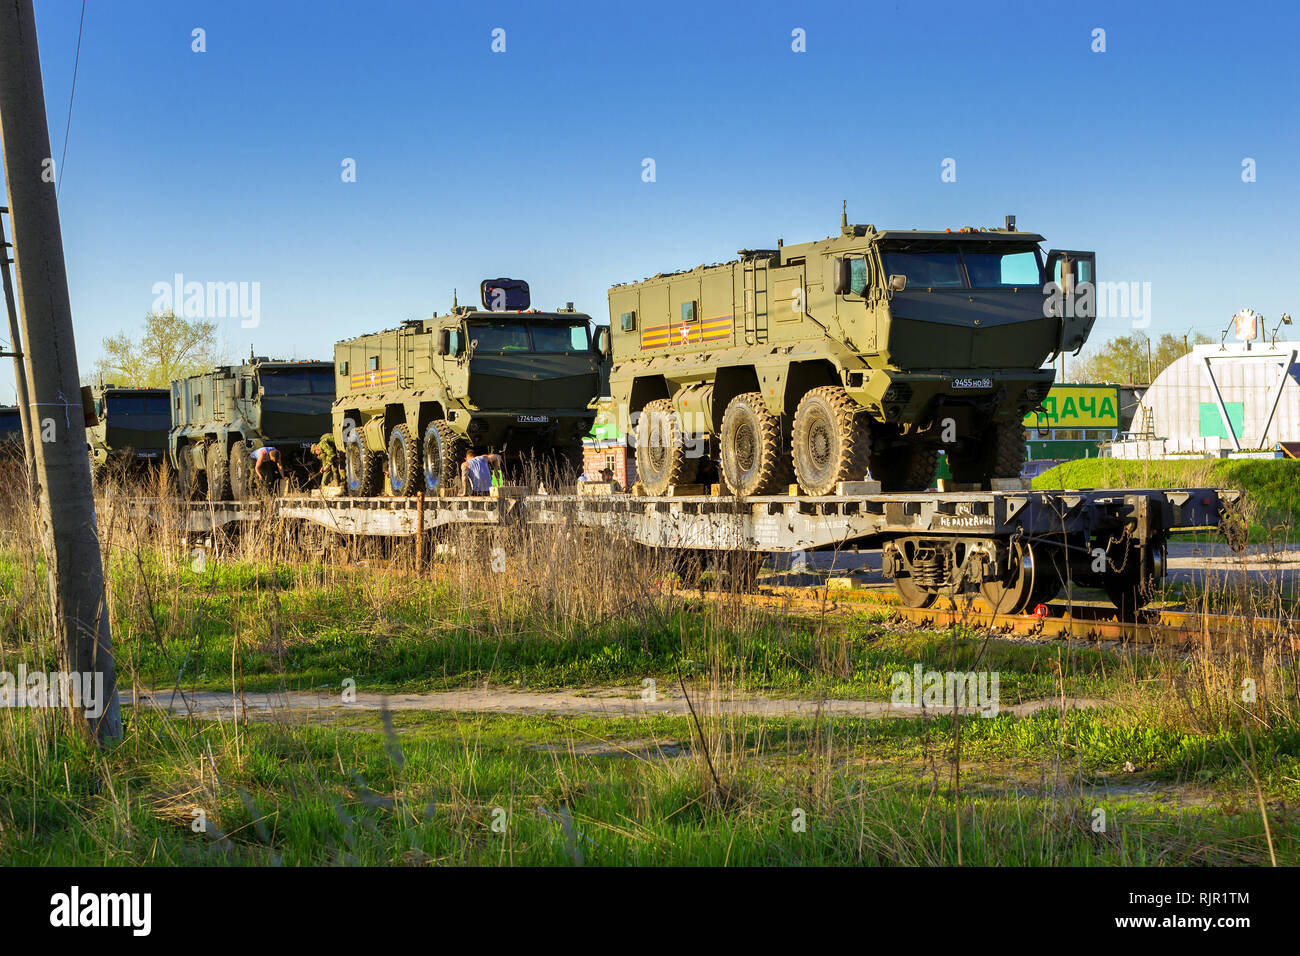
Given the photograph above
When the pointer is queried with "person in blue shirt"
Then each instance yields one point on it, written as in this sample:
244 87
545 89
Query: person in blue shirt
260 456
476 472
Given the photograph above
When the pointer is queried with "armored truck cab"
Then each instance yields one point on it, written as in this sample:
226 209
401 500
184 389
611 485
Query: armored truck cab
126 427
503 378
11 432
862 355
220 417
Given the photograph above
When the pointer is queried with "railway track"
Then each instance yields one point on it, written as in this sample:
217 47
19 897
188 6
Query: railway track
1056 620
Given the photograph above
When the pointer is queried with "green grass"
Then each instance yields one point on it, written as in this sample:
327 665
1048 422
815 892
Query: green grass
598 791
1176 762
405 634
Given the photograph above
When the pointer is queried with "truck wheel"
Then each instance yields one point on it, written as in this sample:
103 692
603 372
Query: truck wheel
364 471
443 451
661 459
189 479
403 462
569 462
831 443
1009 450
240 466
218 473
751 446
909 468
998 453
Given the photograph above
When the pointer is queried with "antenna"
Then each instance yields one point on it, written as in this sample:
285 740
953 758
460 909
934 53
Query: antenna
453 299
844 218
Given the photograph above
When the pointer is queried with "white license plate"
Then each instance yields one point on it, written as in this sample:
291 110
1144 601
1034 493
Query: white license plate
533 419
972 383
146 454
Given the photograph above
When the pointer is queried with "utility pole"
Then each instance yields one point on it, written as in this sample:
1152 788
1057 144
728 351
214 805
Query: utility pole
65 498
16 353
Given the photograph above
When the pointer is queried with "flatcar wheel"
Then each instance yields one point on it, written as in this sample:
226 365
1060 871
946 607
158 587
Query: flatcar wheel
1012 593
913 594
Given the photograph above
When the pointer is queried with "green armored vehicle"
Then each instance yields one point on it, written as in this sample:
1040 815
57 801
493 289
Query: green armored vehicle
503 378
126 427
220 418
862 355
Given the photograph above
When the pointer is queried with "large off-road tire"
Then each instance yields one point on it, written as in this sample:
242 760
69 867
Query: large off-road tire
405 463
998 453
568 462
904 468
830 442
241 467
218 469
661 453
1009 451
189 479
365 473
444 449
752 462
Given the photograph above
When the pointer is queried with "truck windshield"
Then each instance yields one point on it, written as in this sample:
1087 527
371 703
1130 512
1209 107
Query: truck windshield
499 336
560 338
950 270
529 337
136 405
298 382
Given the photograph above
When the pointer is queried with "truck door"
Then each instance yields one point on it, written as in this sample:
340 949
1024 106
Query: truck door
1074 302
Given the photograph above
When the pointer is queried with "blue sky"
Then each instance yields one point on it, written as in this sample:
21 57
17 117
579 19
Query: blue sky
225 165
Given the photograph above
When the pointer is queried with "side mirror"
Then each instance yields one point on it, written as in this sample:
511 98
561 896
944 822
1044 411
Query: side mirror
444 342
601 343
897 283
88 406
842 277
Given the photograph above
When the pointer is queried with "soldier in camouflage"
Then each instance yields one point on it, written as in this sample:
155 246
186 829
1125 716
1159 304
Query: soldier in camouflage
331 466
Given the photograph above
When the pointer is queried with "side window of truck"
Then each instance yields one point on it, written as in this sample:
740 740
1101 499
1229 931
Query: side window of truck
857 276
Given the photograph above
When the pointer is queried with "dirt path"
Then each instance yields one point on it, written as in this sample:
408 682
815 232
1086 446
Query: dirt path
595 702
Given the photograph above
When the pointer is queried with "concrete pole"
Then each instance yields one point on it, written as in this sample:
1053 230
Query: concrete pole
65 498
16 352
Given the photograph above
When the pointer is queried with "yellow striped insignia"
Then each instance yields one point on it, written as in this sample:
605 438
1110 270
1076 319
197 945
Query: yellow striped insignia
375 378
712 329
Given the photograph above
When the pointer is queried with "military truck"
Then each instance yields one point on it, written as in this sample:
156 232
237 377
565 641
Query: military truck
861 355
126 427
220 418
503 378
11 431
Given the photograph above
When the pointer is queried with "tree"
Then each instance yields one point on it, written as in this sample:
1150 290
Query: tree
171 348
1124 360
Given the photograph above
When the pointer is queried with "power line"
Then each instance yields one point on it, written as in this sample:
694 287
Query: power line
58 185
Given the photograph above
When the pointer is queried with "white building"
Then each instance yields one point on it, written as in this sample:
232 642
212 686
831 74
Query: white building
1217 400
